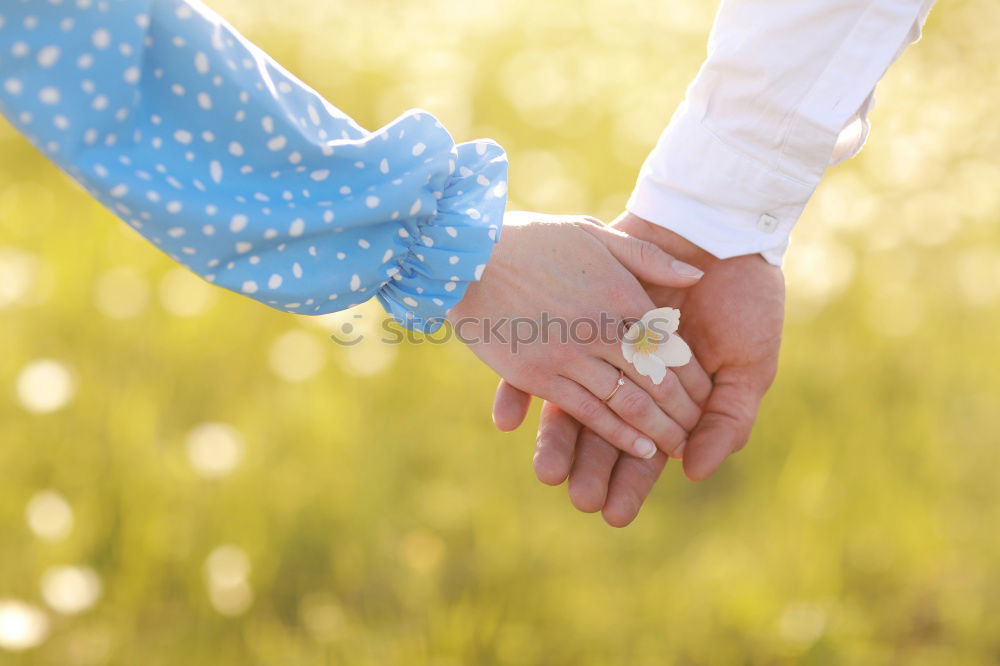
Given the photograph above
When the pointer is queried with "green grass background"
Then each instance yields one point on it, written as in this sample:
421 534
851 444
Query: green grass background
386 522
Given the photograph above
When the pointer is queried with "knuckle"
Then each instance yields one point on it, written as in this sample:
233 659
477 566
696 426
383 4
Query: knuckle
634 404
667 389
547 435
740 444
645 251
548 470
649 472
589 407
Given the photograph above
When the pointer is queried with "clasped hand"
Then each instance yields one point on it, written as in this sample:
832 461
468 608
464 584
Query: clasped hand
568 274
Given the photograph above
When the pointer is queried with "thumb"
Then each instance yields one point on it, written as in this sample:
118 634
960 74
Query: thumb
510 406
725 426
645 260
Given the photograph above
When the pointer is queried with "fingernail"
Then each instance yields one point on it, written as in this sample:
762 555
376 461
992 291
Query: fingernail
687 270
679 451
645 448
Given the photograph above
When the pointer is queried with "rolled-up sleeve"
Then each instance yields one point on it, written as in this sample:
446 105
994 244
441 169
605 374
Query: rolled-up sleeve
238 170
785 92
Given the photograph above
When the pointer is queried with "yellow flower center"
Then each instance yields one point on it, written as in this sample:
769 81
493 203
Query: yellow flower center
648 342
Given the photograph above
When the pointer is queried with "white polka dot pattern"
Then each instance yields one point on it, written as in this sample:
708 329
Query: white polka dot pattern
238 170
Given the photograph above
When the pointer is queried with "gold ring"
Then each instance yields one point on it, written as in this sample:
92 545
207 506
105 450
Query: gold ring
618 385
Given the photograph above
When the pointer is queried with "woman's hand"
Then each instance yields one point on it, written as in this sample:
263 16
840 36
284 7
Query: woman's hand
548 317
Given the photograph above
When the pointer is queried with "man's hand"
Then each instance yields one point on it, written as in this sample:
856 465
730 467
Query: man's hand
732 318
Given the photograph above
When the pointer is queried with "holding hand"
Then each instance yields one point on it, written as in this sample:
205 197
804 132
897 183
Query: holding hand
576 280
732 319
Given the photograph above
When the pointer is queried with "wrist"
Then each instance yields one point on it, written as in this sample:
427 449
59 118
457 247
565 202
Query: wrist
675 244
494 269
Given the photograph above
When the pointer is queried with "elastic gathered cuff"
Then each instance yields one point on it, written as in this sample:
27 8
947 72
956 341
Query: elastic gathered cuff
452 244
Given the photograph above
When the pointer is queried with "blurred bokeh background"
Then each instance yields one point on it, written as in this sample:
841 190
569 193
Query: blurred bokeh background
191 478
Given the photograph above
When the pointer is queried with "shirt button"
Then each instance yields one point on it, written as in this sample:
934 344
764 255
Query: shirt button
767 223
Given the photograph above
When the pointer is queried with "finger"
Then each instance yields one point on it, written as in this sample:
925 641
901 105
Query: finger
590 411
681 393
592 467
696 381
725 427
693 375
630 402
510 407
631 481
556 444
669 395
644 259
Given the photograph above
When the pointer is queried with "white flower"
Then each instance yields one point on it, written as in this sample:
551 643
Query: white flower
652 344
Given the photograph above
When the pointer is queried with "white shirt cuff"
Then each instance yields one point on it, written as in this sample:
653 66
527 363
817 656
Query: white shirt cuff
723 201
786 90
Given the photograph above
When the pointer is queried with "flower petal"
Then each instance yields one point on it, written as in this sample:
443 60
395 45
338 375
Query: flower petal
651 366
634 332
662 320
629 340
674 352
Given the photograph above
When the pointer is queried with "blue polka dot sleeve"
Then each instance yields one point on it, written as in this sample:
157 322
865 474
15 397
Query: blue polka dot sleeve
238 170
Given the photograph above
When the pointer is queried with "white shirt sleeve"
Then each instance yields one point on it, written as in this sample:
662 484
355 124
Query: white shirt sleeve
784 93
